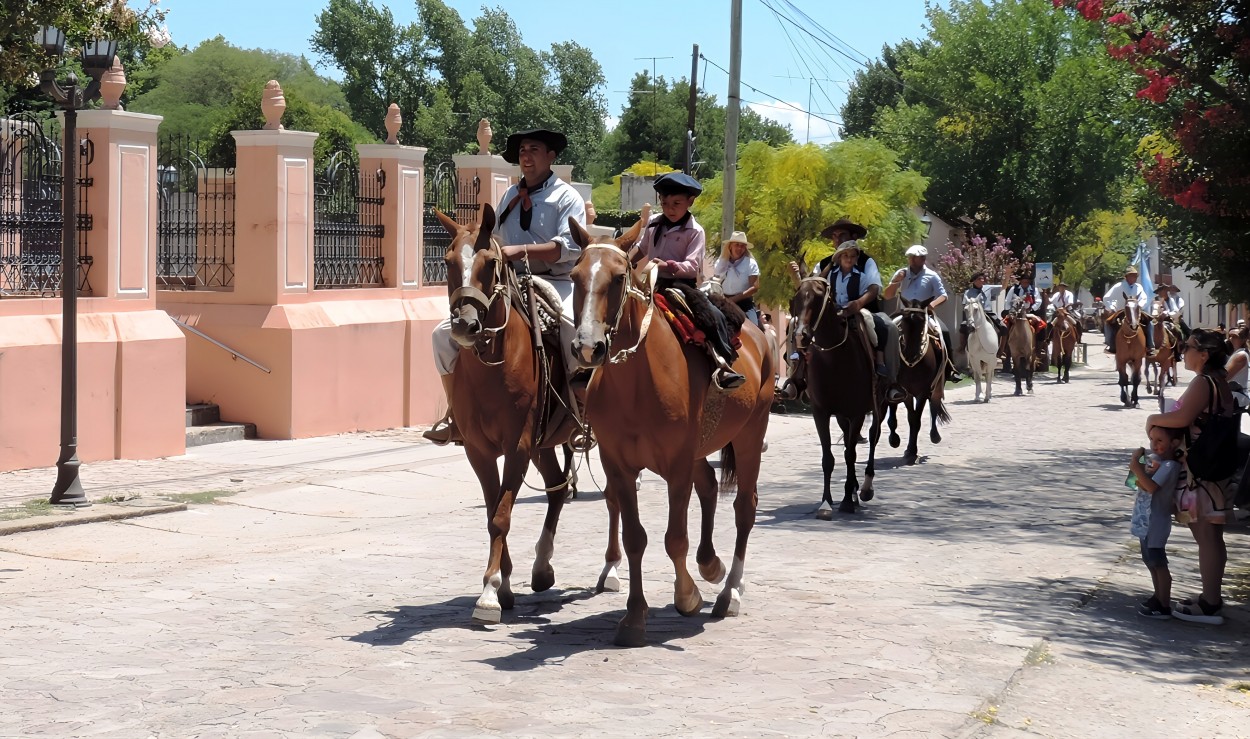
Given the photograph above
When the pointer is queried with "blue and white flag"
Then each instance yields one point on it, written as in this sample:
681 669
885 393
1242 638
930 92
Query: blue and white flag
1142 260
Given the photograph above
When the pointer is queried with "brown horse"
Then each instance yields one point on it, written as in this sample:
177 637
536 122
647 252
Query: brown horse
1020 346
1161 366
922 376
652 407
1130 351
497 394
842 383
1067 334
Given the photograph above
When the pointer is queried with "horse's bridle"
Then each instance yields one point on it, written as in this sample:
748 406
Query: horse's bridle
473 297
924 335
631 287
824 305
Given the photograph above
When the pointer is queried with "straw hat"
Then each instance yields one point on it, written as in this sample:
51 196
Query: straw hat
738 237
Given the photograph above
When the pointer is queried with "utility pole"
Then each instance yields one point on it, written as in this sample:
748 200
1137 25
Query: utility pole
808 112
734 100
653 59
690 106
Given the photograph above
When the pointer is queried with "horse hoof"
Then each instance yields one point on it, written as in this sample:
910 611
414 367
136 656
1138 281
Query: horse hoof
609 581
847 506
895 441
693 603
630 636
935 437
729 604
487 615
866 495
1019 393
542 580
824 514
909 459
713 571
507 600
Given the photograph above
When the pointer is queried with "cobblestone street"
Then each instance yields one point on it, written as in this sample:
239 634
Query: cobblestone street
987 591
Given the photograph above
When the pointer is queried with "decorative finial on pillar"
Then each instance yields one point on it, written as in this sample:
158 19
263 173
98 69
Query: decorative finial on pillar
272 105
393 120
112 85
483 136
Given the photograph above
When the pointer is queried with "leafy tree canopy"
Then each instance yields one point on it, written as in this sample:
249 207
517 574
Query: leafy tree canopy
608 195
786 195
446 76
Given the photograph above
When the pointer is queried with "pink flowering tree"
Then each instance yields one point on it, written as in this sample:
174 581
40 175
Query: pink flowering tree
1192 58
960 263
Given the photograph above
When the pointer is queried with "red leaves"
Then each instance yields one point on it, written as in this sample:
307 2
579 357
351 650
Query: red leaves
1120 19
1091 10
1159 86
1194 197
1125 52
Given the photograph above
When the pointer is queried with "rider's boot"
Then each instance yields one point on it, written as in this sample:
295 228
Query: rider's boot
724 375
796 383
444 431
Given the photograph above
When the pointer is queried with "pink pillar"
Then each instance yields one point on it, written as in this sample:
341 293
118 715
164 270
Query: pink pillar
123 204
495 175
273 216
402 210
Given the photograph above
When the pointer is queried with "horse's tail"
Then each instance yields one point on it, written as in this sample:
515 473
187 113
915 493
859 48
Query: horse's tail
728 470
939 408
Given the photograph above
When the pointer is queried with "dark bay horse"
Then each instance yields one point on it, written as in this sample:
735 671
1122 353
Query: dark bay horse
922 376
651 406
841 383
1066 335
496 393
1161 366
1130 351
1021 341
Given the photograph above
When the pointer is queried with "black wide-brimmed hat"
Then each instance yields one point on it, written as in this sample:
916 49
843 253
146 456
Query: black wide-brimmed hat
554 140
677 183
854 229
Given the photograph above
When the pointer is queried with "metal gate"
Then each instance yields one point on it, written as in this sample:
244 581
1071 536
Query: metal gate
444 191
30 208
195 223
347 225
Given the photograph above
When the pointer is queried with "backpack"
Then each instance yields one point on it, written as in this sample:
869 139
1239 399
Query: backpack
1213 456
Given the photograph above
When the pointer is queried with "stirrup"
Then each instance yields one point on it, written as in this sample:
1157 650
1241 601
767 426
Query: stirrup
444 432
727 379
582 440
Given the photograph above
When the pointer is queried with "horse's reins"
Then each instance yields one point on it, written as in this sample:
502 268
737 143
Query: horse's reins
467 294
820 315
924 337
641 290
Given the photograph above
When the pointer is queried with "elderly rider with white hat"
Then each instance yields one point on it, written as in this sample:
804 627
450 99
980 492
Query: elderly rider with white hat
918 282
1114 301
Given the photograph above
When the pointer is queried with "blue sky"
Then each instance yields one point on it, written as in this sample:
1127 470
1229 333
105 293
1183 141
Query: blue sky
781 60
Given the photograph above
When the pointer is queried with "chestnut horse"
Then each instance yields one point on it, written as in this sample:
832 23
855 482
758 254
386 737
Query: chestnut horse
922 376
841 383
1020 346
1130 351
1066 335
651 406
497 396
1161 366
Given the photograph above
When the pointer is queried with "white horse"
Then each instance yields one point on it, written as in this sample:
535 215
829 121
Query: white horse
982 346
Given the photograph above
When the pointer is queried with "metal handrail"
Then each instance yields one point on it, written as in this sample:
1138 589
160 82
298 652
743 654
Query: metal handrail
218 344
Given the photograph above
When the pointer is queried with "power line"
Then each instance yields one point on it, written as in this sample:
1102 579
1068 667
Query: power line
771 96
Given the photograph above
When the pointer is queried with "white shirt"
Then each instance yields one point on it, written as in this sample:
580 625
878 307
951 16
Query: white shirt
923 285
1121 291
1174 304
1062 299
736 275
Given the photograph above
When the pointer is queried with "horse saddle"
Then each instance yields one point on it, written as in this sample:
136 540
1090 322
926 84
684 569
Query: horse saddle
548 301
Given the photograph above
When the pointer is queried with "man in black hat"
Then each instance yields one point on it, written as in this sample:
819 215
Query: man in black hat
675 243
533 224
985 295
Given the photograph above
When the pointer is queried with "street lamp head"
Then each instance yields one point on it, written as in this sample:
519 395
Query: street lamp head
98 53
927 222
52 40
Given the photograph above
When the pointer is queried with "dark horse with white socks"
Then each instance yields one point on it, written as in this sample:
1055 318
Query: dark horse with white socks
841 382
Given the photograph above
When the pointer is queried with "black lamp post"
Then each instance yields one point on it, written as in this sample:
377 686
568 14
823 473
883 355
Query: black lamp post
97 57
927 222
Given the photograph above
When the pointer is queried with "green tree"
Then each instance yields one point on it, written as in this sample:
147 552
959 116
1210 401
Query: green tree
1021 123
1101 247
879 85
446 76
608 195
786 195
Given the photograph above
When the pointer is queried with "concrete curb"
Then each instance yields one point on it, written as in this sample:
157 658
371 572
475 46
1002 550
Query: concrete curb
97 512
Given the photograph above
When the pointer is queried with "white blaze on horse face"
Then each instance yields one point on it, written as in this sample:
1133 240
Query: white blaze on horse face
586 335
466 261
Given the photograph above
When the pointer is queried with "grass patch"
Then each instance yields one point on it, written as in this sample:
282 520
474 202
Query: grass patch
1039 655
1241 687
208 497
987 716
28 509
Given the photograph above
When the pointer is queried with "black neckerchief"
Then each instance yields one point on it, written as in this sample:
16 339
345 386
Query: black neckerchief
523 192
663 224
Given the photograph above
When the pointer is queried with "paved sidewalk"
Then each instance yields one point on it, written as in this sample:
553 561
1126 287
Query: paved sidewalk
988 591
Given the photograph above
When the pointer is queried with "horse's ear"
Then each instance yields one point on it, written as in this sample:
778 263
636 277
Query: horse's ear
581 236
452 227
630 237
485 227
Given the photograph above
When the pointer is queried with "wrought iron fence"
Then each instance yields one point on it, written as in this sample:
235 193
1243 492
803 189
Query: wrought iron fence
31 179
347 225
444 190
195 223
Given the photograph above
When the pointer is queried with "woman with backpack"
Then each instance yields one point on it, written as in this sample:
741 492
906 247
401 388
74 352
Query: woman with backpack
1206 409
